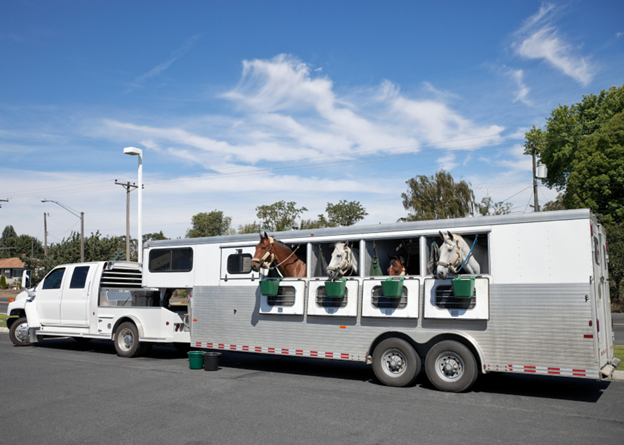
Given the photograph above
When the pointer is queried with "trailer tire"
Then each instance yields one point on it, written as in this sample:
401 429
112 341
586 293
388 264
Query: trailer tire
450 366
127 340
395 362
19 332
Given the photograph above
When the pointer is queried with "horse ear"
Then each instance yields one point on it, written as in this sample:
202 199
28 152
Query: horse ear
451 235
441 235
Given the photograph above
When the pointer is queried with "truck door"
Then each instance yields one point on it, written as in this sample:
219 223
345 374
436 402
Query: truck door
49 298
75 296
601 292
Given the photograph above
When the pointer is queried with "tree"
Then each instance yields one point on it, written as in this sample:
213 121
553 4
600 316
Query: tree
557 204
3 282
22 245
345 213
437 197
214 223
582 147
487 207
156 236
279 216
7 233
254 227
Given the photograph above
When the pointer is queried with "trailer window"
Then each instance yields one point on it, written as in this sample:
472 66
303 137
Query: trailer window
285 297
322 300
79 277
379 301
596 251
53 281
171 260
239 263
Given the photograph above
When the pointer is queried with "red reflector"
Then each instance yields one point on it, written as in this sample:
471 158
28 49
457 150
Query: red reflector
167 323
591 323
591 229
177 327
343 327
588 336
194 319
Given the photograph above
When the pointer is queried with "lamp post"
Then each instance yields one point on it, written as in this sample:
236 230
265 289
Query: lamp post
133 151
81 216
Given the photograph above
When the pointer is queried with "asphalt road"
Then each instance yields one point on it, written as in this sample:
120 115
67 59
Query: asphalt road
64 393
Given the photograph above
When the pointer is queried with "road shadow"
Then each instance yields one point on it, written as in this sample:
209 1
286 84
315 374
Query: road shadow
548 387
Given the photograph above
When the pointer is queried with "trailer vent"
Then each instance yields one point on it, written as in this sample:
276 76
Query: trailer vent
285 297
322 300
121 278
445 299
381 302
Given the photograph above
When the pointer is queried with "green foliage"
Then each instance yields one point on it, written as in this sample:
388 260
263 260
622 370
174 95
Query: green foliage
156 236
3 282
487 207
615 238
7 234
581 146
254 227
557 204
279 216
310 224
345 213
97 248
437 197
214 223
119 255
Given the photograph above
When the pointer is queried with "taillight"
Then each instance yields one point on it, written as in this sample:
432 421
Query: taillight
598 325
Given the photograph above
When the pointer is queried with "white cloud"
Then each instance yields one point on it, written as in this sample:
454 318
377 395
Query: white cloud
523 90
538 38
164 65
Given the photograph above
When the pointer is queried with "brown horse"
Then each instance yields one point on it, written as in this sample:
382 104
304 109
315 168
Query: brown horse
396 266
269 251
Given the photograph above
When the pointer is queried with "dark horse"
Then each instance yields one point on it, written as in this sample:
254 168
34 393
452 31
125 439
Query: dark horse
269 251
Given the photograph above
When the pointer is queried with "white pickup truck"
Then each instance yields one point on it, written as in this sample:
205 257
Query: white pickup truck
99 300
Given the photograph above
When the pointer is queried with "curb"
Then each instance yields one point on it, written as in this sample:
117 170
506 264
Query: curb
4 329
618 376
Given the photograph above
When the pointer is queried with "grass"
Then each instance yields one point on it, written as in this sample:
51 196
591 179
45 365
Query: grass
618 351
3 318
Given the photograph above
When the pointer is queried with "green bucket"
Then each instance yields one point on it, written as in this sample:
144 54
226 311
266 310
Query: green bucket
196 359
269 288
392 288
463 286
335 289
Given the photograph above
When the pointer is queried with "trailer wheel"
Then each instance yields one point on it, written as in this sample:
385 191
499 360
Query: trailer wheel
395 362
19 332
127 340
450 366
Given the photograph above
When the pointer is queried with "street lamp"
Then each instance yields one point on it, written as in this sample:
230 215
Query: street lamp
133 151
81 216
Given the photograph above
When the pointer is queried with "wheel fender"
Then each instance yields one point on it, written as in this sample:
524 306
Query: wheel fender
480 358
134 320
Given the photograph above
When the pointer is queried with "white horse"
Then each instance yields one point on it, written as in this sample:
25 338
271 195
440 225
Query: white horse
453 253
343 262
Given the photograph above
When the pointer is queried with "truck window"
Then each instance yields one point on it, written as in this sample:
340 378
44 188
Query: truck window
79 277
53 281
171 260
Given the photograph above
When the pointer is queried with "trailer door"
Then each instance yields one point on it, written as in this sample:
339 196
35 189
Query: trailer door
601 293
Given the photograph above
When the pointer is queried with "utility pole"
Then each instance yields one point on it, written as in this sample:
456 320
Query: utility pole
129 187
535 200
3 200
45 234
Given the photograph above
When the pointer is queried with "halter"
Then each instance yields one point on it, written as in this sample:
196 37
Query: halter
456 260
263 263
269 257
345 264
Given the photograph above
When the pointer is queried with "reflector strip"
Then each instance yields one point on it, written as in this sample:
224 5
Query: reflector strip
282 351
588 336
545 370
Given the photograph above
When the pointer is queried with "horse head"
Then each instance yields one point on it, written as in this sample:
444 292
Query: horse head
450 255
264 255
396 266
342 262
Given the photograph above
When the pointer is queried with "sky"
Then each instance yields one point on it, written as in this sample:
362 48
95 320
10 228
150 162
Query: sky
246 103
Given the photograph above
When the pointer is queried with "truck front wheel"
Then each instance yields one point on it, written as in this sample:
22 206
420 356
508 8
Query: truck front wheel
127 340
19 332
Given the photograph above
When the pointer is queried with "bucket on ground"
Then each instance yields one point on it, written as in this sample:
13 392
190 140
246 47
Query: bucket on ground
211 361
195 359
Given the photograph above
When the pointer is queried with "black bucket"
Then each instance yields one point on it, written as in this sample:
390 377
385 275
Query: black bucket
211 361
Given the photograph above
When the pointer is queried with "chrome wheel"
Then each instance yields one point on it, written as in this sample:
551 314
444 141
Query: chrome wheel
394 362
126 339
21 332
449 366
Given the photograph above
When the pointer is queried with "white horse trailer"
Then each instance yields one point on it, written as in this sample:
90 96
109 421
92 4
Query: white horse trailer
540 303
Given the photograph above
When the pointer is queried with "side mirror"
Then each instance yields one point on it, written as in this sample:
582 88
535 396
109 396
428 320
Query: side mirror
26 279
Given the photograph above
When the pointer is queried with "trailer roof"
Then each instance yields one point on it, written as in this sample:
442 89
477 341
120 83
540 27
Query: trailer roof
438 224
